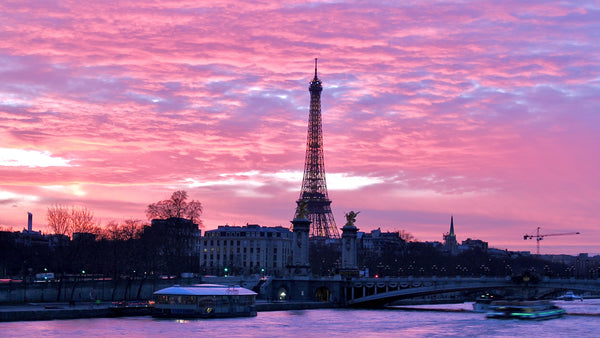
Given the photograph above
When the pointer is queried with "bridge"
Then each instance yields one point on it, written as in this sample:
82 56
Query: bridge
377 292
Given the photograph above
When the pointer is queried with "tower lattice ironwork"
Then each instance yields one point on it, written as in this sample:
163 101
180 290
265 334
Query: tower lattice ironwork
313 195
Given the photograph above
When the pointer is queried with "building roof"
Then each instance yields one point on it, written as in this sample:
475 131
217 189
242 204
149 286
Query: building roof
205 290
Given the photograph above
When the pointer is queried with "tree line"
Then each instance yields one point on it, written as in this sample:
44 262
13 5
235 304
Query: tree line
67 220
129 248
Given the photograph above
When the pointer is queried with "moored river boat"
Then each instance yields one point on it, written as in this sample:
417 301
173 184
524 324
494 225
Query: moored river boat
204 301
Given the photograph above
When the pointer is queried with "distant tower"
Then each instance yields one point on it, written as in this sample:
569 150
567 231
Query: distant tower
314 187
450 238
29 222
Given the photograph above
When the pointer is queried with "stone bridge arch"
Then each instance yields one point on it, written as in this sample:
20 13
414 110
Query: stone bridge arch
379 292
323 294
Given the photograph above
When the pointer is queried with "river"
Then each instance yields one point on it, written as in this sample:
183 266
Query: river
327 323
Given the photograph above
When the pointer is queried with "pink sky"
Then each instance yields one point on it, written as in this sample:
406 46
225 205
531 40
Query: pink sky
485 110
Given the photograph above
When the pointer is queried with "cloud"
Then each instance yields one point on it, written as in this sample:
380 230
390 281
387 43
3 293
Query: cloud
486 109
30 158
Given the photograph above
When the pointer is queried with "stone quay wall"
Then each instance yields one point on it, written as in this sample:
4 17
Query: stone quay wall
81 291
123 289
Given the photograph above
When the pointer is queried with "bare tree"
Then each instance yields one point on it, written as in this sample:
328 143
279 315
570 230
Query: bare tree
58 217
82 220
129 229
111 231
176 206
406 236
65 221
193 211
132 229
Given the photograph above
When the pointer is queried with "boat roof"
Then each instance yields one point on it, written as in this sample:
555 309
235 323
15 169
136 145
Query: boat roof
206 290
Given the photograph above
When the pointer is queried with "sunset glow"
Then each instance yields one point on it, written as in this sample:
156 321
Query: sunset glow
484 110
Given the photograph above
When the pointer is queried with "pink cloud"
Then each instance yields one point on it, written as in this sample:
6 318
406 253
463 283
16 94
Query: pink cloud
484 111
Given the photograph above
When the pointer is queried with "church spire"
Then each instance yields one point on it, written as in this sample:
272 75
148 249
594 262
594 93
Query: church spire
450 242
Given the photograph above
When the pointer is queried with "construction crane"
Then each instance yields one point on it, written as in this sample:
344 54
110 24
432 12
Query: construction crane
538 237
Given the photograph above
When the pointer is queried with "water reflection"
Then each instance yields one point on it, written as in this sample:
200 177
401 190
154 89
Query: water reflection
328 323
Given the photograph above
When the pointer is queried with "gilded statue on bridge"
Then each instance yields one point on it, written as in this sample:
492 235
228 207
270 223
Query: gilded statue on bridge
302 210
351 218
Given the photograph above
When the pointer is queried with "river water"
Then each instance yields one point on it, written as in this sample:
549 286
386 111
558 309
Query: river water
327 323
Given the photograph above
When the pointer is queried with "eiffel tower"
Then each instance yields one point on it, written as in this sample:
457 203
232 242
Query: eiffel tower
313 195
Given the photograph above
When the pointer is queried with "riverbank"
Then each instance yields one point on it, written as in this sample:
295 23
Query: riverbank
51 311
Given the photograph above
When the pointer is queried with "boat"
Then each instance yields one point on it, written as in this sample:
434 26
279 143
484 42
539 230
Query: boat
204 301
526 310
570 296
483 302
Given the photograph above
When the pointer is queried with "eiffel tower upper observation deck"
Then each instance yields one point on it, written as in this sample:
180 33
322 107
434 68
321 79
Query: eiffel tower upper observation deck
314 188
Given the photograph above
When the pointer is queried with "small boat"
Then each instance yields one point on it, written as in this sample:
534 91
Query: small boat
204 301
570 296
527 310
483 303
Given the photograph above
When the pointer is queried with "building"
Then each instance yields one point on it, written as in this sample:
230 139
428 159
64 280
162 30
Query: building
181 232
470 244
176 241
378 242
250 249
